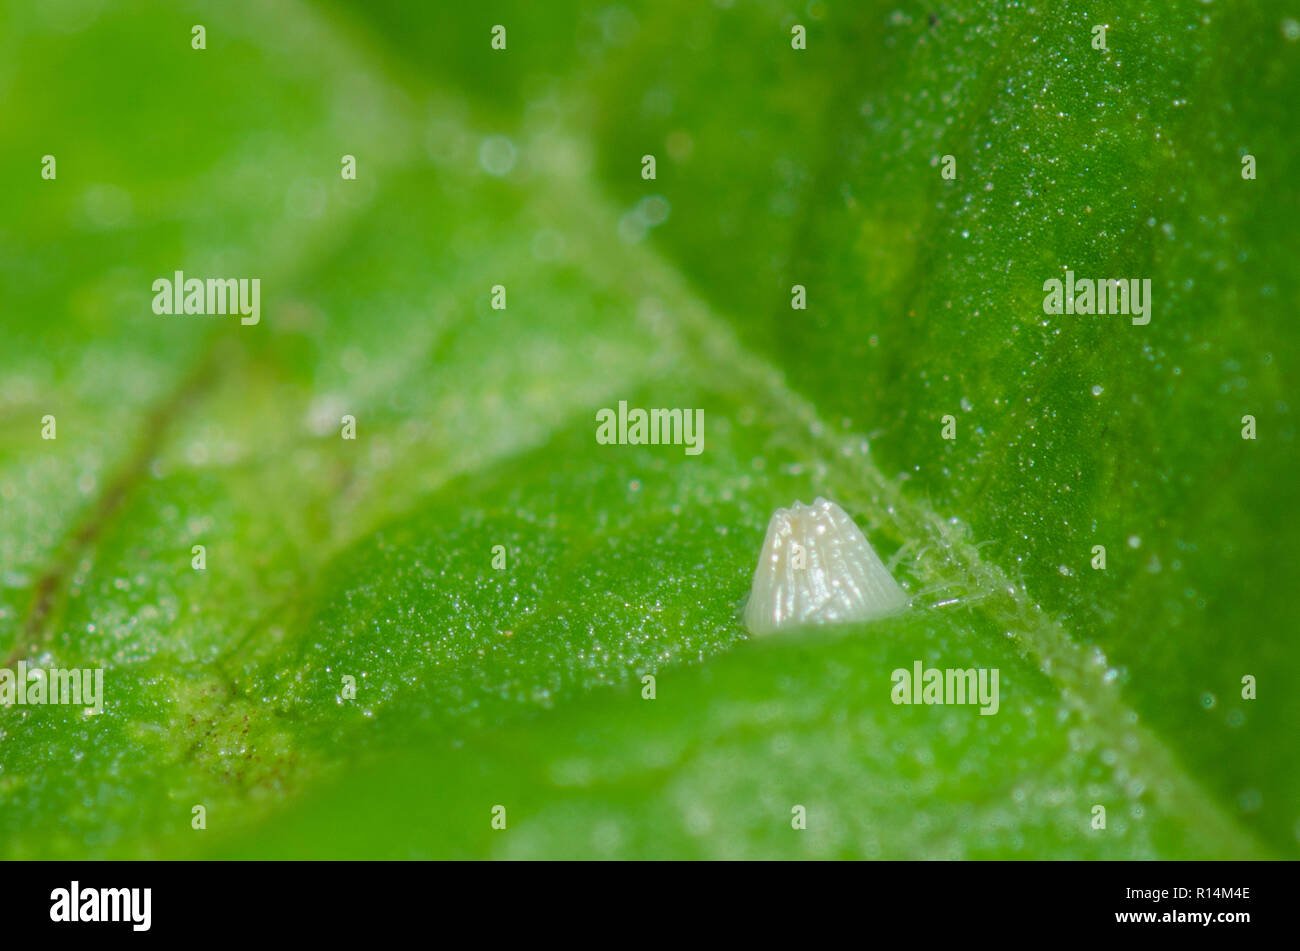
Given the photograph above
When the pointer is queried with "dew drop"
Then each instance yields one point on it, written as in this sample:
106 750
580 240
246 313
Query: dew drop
497 155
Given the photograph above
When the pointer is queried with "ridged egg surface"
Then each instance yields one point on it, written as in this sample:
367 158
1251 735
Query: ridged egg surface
818 568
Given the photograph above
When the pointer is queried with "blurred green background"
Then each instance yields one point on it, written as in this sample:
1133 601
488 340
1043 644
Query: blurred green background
475 427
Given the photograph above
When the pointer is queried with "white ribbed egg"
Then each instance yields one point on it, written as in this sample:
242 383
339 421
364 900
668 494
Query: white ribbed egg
818 568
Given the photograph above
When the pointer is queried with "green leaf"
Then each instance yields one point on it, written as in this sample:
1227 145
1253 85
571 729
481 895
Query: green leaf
523 686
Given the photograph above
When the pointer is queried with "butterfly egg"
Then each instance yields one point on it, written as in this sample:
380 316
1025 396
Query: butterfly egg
818 568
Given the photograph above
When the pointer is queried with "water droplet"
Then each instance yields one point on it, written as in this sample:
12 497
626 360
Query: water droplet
497 155
655 209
